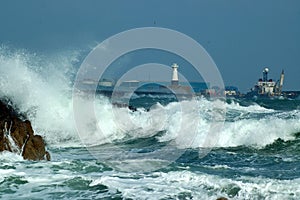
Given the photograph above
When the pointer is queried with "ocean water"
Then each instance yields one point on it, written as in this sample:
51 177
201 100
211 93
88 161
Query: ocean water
254 155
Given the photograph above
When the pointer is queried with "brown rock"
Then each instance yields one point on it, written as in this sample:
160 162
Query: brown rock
20 131
48 157
23 140
34 148
222 198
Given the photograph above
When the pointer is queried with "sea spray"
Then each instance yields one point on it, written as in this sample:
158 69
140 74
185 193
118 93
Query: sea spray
12 144
247 161
44 97
43 90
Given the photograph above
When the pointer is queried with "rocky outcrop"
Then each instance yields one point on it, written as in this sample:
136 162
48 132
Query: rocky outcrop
222 198
16 135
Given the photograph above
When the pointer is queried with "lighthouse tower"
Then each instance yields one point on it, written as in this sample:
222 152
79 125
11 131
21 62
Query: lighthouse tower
175 75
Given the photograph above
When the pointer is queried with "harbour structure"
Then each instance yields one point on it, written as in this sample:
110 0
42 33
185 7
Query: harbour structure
107 86
231 91
175 80
191 86
174 86
106 83
267 87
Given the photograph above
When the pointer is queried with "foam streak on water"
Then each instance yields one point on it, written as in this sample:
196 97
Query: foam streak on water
75 178
247 161
46 99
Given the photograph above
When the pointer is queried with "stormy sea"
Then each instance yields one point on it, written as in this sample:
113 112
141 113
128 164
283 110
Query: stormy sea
254 154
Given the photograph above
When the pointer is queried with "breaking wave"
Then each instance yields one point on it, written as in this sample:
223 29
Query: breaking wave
41 87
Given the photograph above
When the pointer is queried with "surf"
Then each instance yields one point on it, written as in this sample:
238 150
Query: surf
41 88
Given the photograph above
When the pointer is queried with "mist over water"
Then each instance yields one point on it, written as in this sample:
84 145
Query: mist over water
249 158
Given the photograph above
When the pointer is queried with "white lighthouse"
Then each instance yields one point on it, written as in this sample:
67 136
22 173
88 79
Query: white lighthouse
175 75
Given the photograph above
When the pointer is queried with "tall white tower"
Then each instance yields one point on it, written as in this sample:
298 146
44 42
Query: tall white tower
175 75
281 81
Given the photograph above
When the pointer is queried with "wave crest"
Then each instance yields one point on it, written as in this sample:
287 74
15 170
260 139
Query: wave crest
41 87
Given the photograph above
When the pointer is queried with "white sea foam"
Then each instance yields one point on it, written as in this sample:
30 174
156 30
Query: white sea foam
57 177
255 108
42 89
200 186
7 156
257 132
68 176
194 126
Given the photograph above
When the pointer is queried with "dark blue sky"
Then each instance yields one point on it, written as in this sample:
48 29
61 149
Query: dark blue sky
241 36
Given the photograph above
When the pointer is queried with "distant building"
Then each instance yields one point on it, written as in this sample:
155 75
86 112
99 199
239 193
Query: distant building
231 91
130 84
106 83
175 80
210 92
106 86
89 82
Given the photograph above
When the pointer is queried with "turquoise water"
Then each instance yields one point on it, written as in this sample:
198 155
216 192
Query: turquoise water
156 152
242 171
